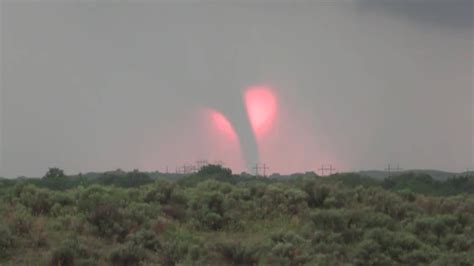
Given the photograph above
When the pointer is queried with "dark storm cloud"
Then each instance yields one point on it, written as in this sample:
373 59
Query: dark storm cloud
444 13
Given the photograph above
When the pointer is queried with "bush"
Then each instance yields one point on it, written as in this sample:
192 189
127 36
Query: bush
434 227
279 199
125 180
62 256
450 259
106 218
316 194
370 252
102 209
161 192
209 210
127 255
36 199
366 219
145 239
73 252
140 213
237 254
22 223
333 220
287 249
181 248
211 169
6 240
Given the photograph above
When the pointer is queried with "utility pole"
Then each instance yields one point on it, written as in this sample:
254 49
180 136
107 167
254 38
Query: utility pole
188 169
469 173
256 169
265 168
201 163
331 169
398 169
390 169
322 170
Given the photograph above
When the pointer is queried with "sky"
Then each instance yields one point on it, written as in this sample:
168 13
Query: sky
100 85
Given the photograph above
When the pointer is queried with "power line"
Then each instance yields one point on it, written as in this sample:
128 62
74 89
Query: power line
201 163
324 168
187 169
469 172
256 169
265 168
391 170
321 170
331 169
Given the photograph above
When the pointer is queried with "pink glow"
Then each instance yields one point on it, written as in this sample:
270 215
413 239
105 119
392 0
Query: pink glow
222 124
222 142
261 105
286 142
202 134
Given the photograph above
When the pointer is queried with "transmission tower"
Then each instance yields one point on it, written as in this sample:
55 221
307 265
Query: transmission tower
391 170
265 168
201 163
324 168
256 169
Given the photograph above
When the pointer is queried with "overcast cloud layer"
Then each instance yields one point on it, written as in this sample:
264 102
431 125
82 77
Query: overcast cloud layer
90 86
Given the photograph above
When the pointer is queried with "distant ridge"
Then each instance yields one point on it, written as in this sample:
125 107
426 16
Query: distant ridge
435 174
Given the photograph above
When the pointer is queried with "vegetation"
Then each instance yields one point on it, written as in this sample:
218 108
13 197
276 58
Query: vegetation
216 218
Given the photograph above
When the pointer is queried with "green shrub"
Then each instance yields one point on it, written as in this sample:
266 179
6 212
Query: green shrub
453 259
127 255
62 256
209 210
160 192
140 213
287 249
367 219
433 228
6 240
73 252
107 219
22 222
279 199
182 248
459 243
103 209
146 239
38 200
237 254
369 252
334 219
316 194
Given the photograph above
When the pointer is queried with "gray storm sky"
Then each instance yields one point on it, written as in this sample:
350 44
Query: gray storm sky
92 86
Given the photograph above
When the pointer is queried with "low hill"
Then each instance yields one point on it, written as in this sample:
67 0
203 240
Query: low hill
435 174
